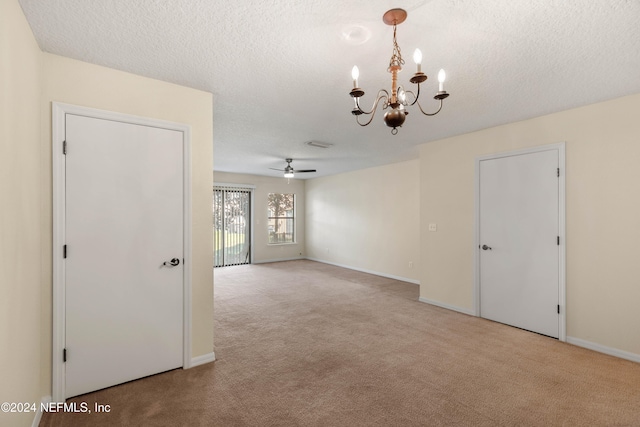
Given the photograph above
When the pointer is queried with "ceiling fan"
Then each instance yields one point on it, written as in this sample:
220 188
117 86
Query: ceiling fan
289 171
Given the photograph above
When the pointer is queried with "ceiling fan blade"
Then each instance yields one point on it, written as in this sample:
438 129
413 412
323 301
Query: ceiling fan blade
305 170
281 170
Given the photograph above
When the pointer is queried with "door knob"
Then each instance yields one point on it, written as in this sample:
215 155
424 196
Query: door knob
172 263
485 247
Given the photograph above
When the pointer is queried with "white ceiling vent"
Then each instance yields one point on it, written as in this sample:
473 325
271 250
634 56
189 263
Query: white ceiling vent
319 144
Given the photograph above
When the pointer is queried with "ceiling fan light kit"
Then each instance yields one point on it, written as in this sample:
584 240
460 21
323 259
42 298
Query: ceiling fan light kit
289 171
397 99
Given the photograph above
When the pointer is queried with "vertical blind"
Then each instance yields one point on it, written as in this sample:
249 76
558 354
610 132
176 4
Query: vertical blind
231 226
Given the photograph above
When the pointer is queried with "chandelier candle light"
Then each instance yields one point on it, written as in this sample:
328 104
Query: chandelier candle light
397 99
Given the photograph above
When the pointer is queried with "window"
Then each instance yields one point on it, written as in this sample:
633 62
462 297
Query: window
281 220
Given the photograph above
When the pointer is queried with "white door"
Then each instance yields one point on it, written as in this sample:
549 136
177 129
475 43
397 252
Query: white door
518 236
124 218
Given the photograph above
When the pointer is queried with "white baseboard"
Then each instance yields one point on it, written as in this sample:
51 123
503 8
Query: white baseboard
447 306
36 420
604 349
266 261
364 270
201 360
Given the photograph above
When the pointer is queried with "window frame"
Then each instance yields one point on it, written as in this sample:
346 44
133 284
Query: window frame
292 218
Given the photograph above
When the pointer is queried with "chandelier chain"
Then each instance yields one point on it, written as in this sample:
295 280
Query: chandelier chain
396 57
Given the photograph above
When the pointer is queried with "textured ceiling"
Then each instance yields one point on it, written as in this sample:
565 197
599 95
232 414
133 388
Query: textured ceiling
280 70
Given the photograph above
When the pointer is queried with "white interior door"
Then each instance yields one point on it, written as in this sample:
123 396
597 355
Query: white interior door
124 219
518 236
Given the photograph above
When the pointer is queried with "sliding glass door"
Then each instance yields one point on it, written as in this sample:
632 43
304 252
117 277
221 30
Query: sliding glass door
231 226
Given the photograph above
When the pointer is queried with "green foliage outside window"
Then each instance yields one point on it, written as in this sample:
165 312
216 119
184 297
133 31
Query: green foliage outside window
281 219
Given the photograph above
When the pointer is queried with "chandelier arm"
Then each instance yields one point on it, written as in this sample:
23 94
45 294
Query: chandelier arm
373 114
416 95
429 114
368 121
382 93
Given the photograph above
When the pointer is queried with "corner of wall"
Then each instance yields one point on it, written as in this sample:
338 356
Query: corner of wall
21 276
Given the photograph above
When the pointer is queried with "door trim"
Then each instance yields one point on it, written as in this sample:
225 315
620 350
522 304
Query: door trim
59 111
560 147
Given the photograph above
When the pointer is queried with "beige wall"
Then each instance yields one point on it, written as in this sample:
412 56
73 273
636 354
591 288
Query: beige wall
262 251
367 220
21 231
603 215
29 82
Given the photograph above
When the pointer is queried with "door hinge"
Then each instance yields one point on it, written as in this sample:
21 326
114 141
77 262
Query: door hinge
64 251
558 240
64 147
558 308
64 354
558 172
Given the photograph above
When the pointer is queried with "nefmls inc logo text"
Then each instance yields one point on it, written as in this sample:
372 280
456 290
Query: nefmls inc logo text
81 407
64 407
78 407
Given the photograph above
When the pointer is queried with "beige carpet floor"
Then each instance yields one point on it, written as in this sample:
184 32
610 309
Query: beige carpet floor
307 344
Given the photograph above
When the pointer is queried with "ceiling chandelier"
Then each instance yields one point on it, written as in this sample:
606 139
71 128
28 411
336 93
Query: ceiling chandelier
398 99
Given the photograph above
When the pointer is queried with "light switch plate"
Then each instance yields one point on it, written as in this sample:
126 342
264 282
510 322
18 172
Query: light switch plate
433 227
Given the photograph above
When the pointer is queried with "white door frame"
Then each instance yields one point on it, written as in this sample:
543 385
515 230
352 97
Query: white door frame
59 111
560 147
